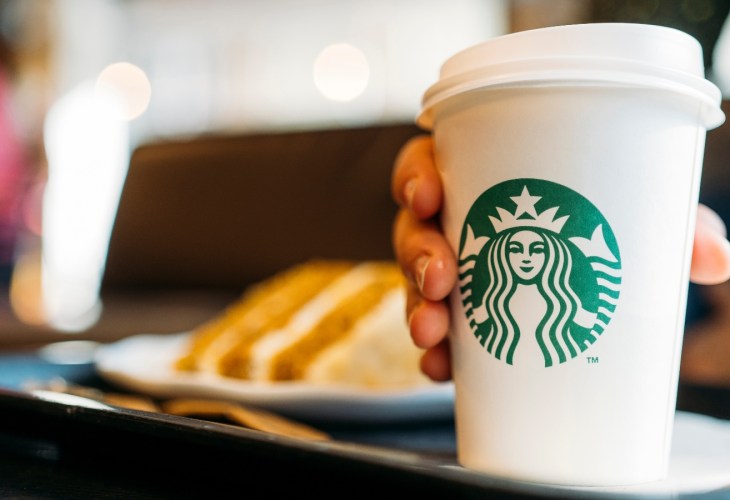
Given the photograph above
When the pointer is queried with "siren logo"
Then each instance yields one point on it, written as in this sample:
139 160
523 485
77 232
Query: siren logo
540 272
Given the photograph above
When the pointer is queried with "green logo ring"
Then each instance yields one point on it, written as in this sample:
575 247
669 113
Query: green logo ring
539 270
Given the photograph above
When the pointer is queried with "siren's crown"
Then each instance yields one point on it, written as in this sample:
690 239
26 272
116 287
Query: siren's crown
525 215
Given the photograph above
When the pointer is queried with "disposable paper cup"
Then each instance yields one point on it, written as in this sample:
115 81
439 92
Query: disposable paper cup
571 160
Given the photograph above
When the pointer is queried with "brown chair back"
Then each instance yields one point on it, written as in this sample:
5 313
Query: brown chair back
227 211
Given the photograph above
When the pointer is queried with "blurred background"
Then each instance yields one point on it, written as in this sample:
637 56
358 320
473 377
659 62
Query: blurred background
91 88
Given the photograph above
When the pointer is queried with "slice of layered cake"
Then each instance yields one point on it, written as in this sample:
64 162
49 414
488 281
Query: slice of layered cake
320 322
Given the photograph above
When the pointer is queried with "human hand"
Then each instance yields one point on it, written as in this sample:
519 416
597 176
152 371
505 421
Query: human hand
431 268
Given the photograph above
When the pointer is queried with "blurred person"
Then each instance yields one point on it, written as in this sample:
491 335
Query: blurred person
12 167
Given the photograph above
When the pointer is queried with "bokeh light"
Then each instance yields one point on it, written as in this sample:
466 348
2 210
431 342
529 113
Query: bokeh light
341 72
129 85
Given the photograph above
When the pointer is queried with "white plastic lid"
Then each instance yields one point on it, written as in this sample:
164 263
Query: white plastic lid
610 54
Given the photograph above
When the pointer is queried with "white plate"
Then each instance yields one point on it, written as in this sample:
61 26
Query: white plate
144 364
699 460
699 463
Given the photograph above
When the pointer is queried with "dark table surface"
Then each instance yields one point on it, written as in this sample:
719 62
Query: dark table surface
70 449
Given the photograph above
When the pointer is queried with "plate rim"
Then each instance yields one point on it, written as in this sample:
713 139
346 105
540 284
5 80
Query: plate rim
331 402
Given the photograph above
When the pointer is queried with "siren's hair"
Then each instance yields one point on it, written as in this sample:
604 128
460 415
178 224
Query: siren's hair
553 333
500 324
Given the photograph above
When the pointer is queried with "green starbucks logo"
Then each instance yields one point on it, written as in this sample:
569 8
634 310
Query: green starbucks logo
540 272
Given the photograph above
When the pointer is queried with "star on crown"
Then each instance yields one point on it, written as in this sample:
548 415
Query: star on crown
526 205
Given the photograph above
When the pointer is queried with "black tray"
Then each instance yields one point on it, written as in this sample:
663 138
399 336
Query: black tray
57 447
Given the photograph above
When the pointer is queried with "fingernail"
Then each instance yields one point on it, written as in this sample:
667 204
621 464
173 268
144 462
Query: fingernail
421 267
410 317
410 192
711 219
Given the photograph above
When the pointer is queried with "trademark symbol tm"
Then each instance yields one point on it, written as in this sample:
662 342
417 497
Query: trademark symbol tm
592 360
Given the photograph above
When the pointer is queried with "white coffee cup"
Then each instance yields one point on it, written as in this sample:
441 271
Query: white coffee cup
571 158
